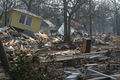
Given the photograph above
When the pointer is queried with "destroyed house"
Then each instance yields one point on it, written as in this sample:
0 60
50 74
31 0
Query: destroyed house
25 20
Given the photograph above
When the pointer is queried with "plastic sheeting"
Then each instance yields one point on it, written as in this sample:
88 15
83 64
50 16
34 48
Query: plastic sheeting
61 30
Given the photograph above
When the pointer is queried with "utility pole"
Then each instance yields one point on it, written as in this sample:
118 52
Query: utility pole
65 21
90 18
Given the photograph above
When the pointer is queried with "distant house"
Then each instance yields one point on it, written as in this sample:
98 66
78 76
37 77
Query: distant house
46 26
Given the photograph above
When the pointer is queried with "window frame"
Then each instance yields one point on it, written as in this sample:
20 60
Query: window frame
26 17
20 18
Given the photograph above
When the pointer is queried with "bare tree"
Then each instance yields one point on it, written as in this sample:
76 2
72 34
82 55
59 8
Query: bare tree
29 3
90 18
7 6
71 6
116 8
65 21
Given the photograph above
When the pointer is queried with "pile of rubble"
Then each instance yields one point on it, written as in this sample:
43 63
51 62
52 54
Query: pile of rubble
66 55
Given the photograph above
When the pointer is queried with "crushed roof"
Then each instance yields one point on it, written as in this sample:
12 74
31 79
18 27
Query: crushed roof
27 12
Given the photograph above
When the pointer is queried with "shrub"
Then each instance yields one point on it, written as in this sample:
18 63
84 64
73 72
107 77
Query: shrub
30 68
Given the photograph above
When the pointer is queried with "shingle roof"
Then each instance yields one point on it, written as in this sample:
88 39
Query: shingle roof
28 12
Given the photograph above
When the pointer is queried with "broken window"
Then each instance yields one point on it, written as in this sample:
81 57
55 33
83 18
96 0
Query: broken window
22 18
29 21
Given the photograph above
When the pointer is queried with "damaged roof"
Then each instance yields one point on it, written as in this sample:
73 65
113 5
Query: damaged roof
49 23
27 12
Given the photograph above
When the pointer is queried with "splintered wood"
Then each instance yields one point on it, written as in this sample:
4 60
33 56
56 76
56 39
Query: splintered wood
66 55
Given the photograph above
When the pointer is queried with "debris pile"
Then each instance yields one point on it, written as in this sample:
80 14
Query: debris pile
102 59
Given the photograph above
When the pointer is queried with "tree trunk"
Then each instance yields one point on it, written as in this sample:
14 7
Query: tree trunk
69 28
5 18
114 26
117 24
65 21
3 57
116 18
5 12
90 19
29 6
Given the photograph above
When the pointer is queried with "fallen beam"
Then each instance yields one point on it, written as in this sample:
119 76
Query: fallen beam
78 56
104 78
105 75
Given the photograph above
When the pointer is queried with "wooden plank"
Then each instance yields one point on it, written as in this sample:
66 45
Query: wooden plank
72 57
104 78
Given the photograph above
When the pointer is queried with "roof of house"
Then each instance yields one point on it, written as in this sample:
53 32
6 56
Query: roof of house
49 23
28 12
